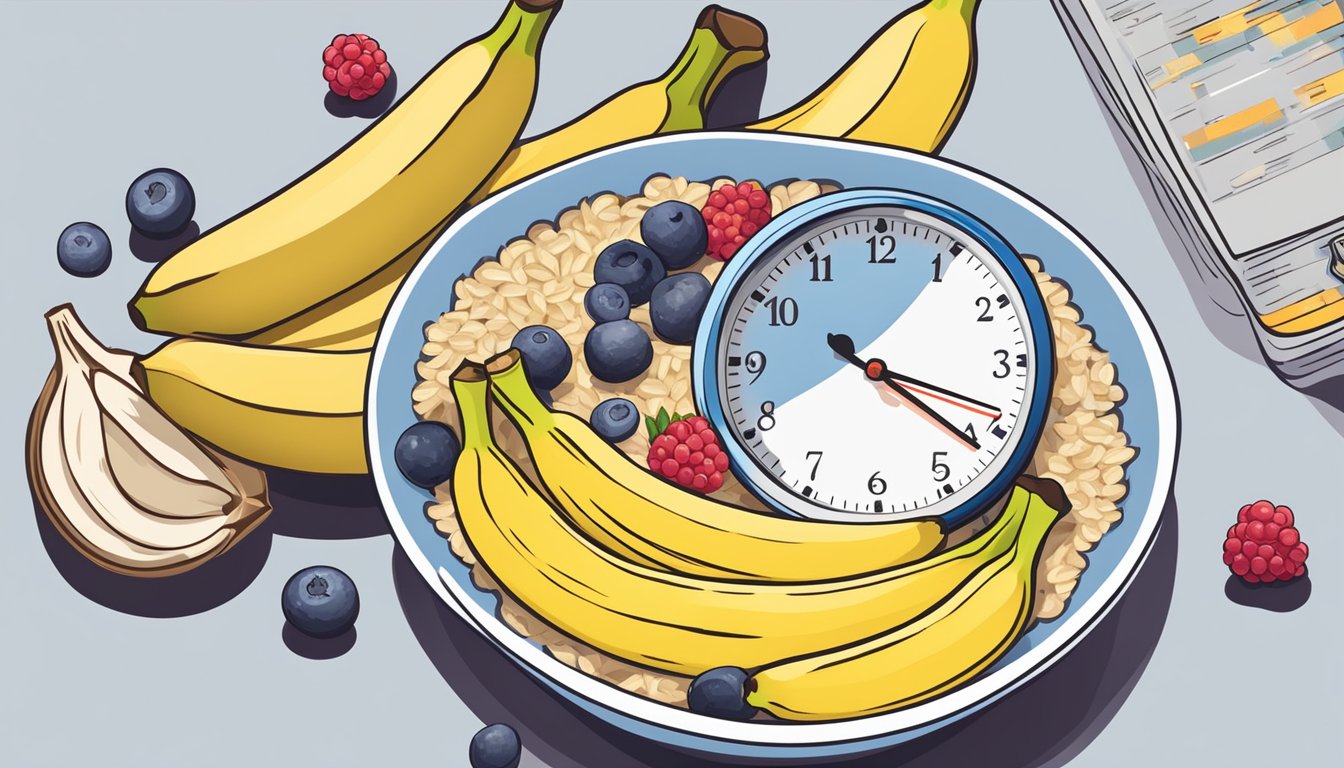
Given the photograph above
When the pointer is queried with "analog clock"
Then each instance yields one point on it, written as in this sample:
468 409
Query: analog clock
874 354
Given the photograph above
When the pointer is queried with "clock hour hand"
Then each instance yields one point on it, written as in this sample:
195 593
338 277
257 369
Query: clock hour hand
843 346
876 370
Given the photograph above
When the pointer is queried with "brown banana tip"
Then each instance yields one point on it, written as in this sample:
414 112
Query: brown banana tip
1050 491
469 371
536 6
735 31
137 317
503 361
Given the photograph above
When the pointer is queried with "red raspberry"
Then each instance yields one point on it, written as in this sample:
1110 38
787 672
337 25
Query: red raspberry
1263 545
354 66
733 214
686 451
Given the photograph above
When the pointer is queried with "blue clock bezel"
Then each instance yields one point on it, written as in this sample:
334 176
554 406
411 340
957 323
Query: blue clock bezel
705 374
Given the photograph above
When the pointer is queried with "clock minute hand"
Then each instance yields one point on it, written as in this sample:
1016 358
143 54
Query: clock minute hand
931 413
843 346
969 403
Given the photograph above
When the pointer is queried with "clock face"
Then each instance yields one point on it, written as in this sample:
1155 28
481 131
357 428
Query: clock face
877 361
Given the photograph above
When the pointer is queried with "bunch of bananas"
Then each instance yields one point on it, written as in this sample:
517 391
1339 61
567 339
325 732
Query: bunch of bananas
277 308
832 620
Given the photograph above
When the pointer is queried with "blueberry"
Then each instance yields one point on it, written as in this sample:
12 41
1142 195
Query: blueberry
606 302
676 307
676 232
427 452
160 203
546 356
632 266
83 249
721 692
496 746
615 419
617 351
320 601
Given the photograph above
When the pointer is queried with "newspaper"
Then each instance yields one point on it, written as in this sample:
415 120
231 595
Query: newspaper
1235 112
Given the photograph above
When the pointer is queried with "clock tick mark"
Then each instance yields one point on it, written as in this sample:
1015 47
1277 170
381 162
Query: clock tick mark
877 506
758 296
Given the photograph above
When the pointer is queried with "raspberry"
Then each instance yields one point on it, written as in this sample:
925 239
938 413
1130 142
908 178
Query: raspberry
1263 545
686 451
733 214
354 66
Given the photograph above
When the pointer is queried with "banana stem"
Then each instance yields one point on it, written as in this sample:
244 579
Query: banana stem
721 43
472 391
514 393
964 7
522 26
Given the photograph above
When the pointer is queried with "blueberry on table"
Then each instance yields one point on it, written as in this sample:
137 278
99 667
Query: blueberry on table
617 351
606 302
676 307
160 203
83 250
427 452
676 232
496 746
546 356
320 601
632 266
615 419
720 692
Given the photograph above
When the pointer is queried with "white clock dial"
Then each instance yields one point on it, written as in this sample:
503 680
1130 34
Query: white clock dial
878 360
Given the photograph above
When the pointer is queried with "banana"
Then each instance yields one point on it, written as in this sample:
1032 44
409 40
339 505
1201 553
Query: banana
123 484
656 524
905 88
721 43
669 621
350 320
290 408
929 656
366 204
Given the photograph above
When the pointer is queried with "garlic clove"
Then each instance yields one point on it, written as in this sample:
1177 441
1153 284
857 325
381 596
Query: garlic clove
124 484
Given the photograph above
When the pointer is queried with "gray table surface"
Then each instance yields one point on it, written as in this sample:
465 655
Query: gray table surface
98 669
